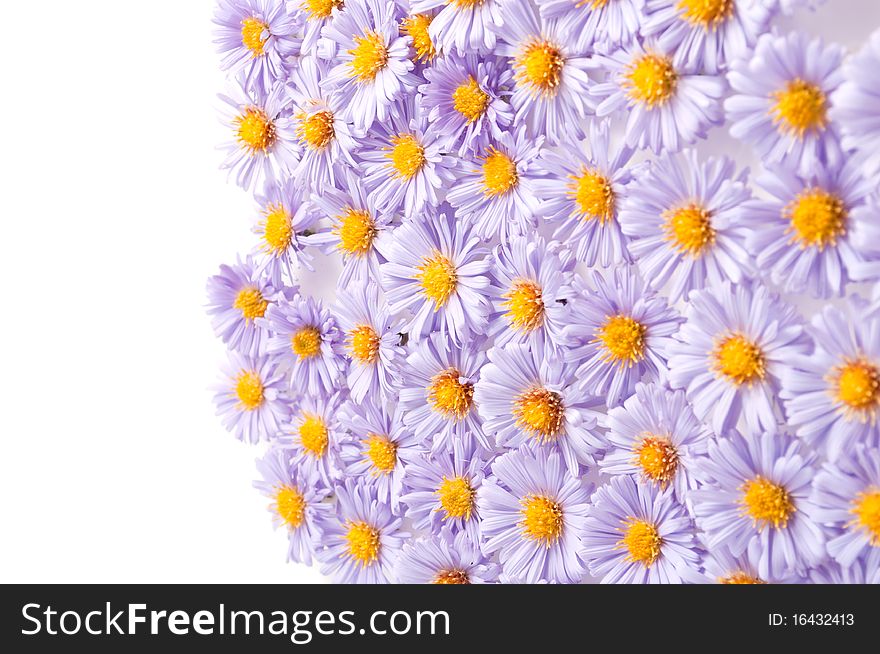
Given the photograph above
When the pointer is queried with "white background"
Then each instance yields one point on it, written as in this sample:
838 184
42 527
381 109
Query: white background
113 467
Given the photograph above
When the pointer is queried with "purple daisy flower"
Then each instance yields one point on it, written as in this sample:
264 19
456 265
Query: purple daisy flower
237 299
416 26
373 69
639 534
737 344
780 101
445 558
722 567
617 335
371 341
314 15
684 219
669 105
466 100
585 185
255 38
551 94
466 25
438 390
853 99
438 274
314 437
833 573
441 490
596 22
801 234
496 189
832 395
251 399
656 436
306 337
298 502
757 489
361 543
532 515
527 394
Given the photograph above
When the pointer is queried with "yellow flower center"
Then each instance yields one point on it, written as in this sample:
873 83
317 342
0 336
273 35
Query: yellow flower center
438 278
254 34
593 196
277 229
470 100
251 303
456 497
364 344
739 359
316 131
313 435
623 339
499 173
249 389
466 4
540 412
738 578
866 510
320 9
363 542
407 156
369 56
657 458
766 503
542 519
382 453
525 305
707 13
799 108
539 66
642 542
457 577
449 395
651 80
817 218
592 4
416 27
256 131
356 231
689 229
290 505
306 342
857 387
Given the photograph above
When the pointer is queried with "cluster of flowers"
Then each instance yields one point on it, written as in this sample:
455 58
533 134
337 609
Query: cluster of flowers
563 344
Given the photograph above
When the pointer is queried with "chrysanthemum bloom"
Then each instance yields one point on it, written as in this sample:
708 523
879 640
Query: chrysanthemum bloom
466 100
404 164
263 145
757 489
441 490
306 337
297 502
357 225
617 335
730 354
373 65
707 33
851 103
326 138
371 341
847 499
437 392
445 558
780 101
582 193
685 222
466 25
528 394
530 291
255 38
285 219
639 534
832 396
380 447
251 399
361 543
237 298
532 516
437 272
416 26
595 23
669 104
801 235
496 189
314 15
722 567
551 93
314 436
655 436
